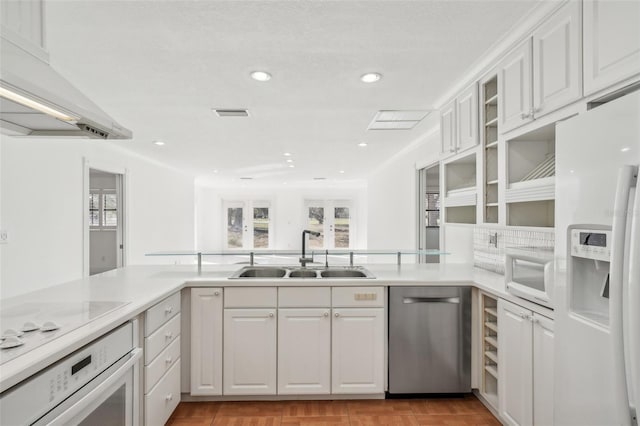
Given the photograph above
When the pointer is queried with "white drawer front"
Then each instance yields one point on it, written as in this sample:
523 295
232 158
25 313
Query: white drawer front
163 398
161 338
357 297
161 312
163 362
304 297
251 297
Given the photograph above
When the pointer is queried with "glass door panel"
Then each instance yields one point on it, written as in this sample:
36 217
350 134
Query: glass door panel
260 227
316 222
341 227
235 222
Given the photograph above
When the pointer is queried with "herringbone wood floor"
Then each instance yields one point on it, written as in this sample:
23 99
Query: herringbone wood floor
456 411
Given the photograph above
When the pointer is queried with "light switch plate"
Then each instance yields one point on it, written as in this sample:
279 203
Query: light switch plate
4 236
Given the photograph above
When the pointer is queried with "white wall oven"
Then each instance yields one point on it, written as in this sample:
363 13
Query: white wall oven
529 274
97 384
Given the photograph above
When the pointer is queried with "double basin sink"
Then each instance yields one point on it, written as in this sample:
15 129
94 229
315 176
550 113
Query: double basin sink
284 272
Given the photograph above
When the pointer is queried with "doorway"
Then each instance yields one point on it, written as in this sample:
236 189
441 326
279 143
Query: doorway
105 227
429 212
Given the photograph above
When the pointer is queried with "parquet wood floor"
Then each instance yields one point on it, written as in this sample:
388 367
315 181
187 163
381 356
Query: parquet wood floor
465 411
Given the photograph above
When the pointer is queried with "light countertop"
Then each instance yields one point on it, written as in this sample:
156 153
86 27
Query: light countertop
143 286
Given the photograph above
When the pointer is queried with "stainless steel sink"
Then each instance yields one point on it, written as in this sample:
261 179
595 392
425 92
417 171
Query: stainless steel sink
303 273
286 272
261 272
343 273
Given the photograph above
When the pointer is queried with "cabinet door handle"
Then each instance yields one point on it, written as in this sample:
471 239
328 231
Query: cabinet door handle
336 315
326 314
169 397
169 335
270 314
168 309
216 293
524 316
169 360
525 115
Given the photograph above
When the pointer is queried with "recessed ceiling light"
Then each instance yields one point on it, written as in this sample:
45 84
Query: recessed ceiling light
287 154
362 144
261 76
625 149
370 77
341 172
159 143
291 166
289 160
215 171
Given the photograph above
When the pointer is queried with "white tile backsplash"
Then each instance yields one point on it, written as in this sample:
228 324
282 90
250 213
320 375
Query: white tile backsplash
492 258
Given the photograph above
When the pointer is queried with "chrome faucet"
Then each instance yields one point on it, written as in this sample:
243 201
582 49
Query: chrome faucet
304 260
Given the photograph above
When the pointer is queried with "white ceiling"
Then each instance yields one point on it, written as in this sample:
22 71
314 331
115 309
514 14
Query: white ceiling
158 67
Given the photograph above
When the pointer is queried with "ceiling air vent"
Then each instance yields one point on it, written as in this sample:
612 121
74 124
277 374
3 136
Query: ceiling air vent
246 178
397 120
232 112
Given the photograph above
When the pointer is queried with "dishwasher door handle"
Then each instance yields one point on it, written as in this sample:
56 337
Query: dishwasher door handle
408 300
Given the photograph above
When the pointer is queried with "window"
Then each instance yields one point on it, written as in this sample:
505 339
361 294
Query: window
333 219
103 209
432 209
248 224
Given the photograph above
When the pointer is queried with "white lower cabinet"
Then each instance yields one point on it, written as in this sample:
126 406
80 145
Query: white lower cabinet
357 350
249 352
304 351
525 351
206 341
163 398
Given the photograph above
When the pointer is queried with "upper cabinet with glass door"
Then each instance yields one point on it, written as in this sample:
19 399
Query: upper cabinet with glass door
248 225
332 219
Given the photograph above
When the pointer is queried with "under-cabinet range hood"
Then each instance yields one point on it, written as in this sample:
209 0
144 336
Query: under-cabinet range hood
35 100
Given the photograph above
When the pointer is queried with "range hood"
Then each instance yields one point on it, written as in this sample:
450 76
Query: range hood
35 100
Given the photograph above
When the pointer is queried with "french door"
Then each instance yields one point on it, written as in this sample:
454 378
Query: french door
333 220
247 225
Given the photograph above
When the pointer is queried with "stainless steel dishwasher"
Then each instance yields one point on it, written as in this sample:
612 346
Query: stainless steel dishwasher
429 340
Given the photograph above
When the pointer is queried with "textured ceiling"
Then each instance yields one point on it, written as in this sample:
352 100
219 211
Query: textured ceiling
159 67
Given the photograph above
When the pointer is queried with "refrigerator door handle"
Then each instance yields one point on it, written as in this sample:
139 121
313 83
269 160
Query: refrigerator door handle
621 205
633 304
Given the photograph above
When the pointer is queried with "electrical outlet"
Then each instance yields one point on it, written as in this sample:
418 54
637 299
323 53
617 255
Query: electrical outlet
493 239
4 236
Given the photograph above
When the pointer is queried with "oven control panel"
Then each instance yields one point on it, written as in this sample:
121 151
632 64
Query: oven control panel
591 244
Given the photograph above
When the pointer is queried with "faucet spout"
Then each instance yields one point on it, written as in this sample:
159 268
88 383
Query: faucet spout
304 260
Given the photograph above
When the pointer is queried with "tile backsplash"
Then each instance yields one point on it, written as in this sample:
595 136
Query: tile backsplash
489 253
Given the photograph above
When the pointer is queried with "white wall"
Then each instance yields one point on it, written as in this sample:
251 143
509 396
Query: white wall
42 209
287 210
392 195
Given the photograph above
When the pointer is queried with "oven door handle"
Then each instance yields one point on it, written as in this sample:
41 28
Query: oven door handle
65 417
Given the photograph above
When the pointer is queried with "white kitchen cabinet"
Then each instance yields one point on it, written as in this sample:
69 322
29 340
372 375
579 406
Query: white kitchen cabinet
543 73
543 341
162 360
557 73
250 351
206 341
525 351
357 351
611 43
448 128
459 122
304 351
514 88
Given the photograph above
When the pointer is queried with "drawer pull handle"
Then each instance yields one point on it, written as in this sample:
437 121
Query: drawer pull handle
168 309
336 315
169 397
326 314
270 314
169 360
216 293
169 335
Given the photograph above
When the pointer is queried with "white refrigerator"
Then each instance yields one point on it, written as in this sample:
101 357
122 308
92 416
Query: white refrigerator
597 280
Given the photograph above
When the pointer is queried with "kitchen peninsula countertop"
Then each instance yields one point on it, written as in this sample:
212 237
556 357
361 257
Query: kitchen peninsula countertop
143 286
